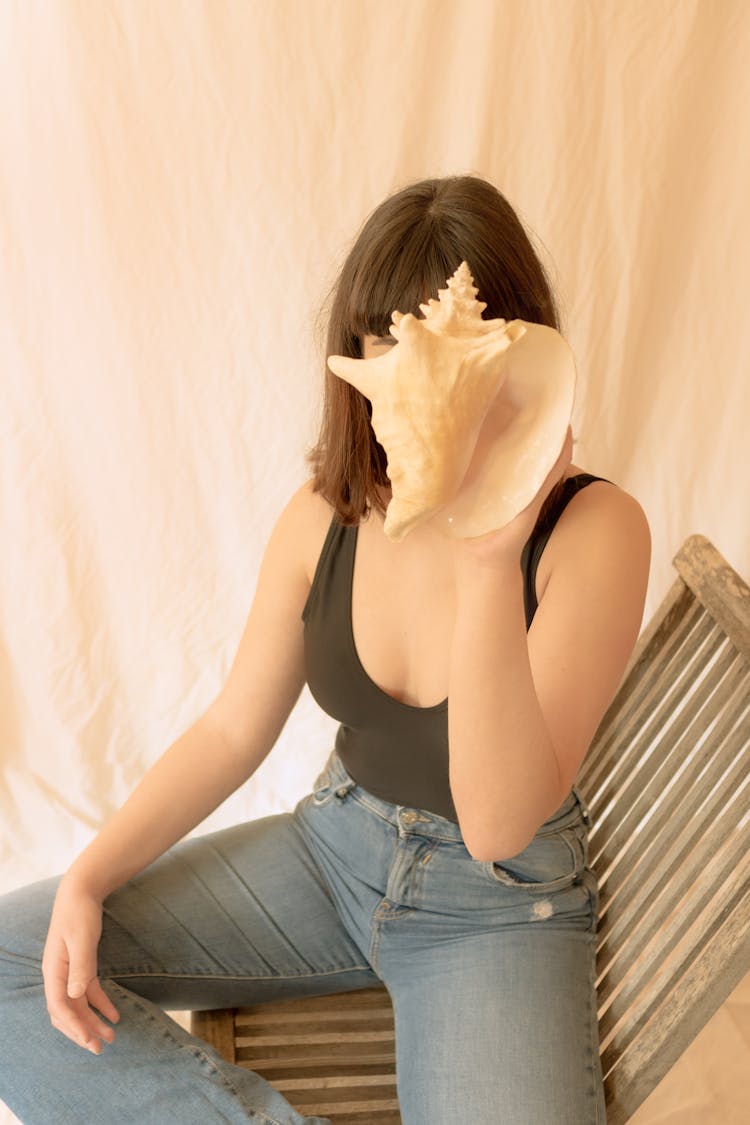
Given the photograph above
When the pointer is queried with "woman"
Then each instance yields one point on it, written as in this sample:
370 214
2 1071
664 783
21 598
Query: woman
442 851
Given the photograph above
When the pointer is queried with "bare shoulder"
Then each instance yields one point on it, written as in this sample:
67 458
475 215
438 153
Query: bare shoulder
302 526
604 508
603 501
601 527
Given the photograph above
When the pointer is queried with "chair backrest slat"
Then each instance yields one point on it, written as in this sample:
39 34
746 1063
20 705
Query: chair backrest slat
686 929
662 652
677 696
672 778
667 781
718 587
646 863
634 1065
664 901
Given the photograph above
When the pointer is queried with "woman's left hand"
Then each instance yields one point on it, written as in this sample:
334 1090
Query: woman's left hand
497 548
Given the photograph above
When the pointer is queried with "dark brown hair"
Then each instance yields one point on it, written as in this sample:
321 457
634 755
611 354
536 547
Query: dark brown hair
406 250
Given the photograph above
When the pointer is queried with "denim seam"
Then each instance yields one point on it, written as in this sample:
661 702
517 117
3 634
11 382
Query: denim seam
375 932
594 1026
590 1045
198 1052
116 975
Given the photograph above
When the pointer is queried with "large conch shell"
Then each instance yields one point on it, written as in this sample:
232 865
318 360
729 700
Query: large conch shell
472 413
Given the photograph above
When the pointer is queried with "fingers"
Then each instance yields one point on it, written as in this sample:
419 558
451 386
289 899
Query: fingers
99 999
81 1024
95 1029
77 1020
82 970
64 976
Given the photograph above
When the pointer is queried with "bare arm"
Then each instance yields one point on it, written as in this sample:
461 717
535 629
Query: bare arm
225 746
524 707
220 751
198 771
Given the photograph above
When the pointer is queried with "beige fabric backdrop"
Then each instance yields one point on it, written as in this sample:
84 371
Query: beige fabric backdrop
178 184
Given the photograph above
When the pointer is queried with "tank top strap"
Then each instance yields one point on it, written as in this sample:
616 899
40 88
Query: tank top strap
337 536
537 541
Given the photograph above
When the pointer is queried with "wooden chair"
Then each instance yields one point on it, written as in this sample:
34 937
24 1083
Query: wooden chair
666 781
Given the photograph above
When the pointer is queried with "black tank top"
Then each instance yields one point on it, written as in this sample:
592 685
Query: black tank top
395 750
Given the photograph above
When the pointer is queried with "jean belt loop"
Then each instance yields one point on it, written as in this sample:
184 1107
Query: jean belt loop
584 806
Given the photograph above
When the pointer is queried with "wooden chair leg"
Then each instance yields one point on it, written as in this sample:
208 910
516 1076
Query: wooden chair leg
217 1029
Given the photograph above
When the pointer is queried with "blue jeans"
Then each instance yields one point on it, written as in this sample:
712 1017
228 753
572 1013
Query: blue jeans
490 967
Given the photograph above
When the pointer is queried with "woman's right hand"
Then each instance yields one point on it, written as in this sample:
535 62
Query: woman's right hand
71 986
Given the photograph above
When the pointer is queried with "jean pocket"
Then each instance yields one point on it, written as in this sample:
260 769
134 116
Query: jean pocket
551 862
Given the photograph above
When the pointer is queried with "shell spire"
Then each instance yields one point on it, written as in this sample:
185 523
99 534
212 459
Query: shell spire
457 309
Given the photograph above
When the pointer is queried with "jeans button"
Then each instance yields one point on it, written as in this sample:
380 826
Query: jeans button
409 817
342 792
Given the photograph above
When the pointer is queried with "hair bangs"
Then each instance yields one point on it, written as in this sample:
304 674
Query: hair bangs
401 282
